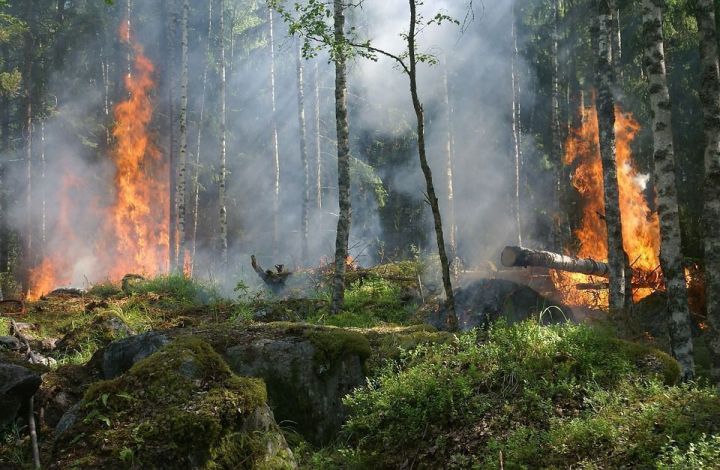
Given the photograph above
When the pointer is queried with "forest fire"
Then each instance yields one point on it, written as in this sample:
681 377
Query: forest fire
641 234
133 228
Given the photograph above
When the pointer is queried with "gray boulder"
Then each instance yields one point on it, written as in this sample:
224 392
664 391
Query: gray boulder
307 370
484 301
17 385
119 356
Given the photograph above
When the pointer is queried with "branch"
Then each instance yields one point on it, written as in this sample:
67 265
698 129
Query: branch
382 52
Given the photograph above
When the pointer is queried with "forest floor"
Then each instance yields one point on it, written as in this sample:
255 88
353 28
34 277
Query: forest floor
518 395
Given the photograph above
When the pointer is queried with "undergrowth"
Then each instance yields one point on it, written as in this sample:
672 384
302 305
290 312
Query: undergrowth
554 397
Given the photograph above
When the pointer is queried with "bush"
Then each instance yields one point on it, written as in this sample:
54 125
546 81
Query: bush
177 288
566 395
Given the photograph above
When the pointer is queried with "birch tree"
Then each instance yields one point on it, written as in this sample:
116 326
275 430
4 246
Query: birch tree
223 143
182 160
710 99
605 105
274 137
671 257
303 155
517 159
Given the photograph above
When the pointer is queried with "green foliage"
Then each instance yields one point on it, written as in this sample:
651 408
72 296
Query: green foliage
369 302
105 290
560 394
176 288
181 404
703 453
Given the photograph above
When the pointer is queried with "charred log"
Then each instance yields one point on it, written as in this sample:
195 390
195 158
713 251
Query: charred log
516 256
274 279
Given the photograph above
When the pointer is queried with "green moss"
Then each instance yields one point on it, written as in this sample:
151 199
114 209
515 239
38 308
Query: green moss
176 406
332 344
250 451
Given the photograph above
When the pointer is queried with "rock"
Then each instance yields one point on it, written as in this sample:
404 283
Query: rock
10 342
119 356
17 385
104 329
61 389
179 408
308 370
482 302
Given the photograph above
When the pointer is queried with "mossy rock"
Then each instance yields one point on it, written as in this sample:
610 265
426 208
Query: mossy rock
181 407
308 369
388 343
102 330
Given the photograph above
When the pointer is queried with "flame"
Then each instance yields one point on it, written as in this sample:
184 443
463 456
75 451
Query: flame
139 218
640 225
133 235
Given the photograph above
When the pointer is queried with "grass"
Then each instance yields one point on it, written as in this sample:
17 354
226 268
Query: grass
567 396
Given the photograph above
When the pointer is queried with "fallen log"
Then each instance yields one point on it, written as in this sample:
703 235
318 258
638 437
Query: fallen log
516 256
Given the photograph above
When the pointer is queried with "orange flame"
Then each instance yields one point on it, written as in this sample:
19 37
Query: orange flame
640 225
138 222
134 236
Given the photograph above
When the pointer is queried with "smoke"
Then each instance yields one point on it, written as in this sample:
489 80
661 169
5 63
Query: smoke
78 180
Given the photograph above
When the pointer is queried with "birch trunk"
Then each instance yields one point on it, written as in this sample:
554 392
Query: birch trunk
343 150
303 156
449 168
606 122
432 198
710 98
172 134
275 150
27 123
198 149
223 143
43 191
318 145
515 129
616 39
671 257
182 160
557 148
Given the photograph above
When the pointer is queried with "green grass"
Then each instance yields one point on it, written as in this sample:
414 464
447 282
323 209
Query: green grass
566 396
369 302
176 288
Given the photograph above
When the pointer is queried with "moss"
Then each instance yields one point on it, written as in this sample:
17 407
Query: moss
332 344
250 451
652 360
176 405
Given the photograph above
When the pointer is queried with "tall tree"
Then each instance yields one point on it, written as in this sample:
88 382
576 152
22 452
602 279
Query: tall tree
340 56
710 99
517 159
605 105
27 126
303 155
671 257
274 135
182 160
318 141
557 150
198 148
223 144
449 170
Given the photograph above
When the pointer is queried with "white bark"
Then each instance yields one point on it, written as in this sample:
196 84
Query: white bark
671 257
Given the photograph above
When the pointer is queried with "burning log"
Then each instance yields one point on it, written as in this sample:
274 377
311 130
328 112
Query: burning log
274 279
516 256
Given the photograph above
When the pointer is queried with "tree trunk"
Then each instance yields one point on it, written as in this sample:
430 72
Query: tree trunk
27 123
616 38
303 156
170 72
557 147
318 142
432 198
515 128
182 161
606 122
223 131
449 168
43 191
671 257
343 150
196 173
275 150
516 256
710 99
